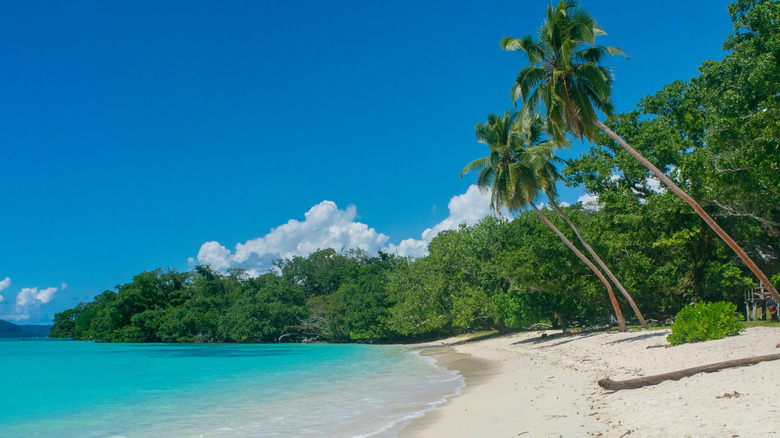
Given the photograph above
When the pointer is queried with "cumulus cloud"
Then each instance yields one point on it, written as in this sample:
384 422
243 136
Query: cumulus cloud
324 226
469 207
32 296
214 255
30 302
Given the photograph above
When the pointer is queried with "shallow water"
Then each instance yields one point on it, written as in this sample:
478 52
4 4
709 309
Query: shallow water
84 389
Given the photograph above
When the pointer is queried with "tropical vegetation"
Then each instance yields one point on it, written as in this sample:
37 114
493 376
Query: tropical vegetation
716 137
705 322
567 79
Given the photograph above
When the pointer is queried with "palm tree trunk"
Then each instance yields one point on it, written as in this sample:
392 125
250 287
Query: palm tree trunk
711 222
599 261
618 313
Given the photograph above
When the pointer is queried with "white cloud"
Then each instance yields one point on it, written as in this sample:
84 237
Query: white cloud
29 296
63 286
409 247
469 207
214 255
30 303
590 202
324 226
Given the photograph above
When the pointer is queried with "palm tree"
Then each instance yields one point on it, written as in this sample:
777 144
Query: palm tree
566 78
551 197
514 173
549 177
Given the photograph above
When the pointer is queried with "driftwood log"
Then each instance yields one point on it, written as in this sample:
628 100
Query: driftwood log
639 382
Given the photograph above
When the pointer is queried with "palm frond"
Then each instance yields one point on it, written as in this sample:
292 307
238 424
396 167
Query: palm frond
526 44
583 26
476 166
528 79
591 54
613 50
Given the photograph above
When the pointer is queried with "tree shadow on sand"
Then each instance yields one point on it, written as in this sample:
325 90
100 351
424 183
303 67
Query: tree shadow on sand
563 338
640 337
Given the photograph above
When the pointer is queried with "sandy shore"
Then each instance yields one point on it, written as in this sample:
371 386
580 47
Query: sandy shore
532 386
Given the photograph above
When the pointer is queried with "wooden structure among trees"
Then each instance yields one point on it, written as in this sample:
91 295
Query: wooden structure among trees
755 297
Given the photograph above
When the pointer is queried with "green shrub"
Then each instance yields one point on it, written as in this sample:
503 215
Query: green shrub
705 322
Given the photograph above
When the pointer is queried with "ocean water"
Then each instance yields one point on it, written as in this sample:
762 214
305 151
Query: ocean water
85 389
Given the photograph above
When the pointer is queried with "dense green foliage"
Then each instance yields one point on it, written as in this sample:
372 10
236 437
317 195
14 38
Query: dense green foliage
717 136
705 322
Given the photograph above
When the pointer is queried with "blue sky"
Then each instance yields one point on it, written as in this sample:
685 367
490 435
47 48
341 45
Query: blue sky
145 134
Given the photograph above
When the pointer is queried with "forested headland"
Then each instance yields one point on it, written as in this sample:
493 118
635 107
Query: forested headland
716 136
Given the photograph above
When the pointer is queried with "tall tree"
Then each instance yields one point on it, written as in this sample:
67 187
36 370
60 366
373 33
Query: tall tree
566 78
514 173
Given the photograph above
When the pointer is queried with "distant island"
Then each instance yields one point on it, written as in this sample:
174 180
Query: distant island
11 330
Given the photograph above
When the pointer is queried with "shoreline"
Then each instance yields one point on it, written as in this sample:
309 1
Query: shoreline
533 386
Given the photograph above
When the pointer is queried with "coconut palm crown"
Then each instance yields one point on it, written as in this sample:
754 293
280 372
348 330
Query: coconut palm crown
565 76
515 174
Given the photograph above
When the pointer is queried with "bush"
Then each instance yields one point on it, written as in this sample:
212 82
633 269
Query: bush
705 322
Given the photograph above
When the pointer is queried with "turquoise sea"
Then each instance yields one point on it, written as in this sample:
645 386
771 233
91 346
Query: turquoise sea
85 389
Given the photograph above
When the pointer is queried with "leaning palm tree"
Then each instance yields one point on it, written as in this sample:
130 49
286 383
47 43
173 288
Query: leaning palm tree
548 176
551 197
565 78
512 174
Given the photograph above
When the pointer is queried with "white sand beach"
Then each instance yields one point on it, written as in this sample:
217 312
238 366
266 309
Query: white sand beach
532 386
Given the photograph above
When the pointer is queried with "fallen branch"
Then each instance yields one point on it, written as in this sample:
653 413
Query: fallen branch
639 382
